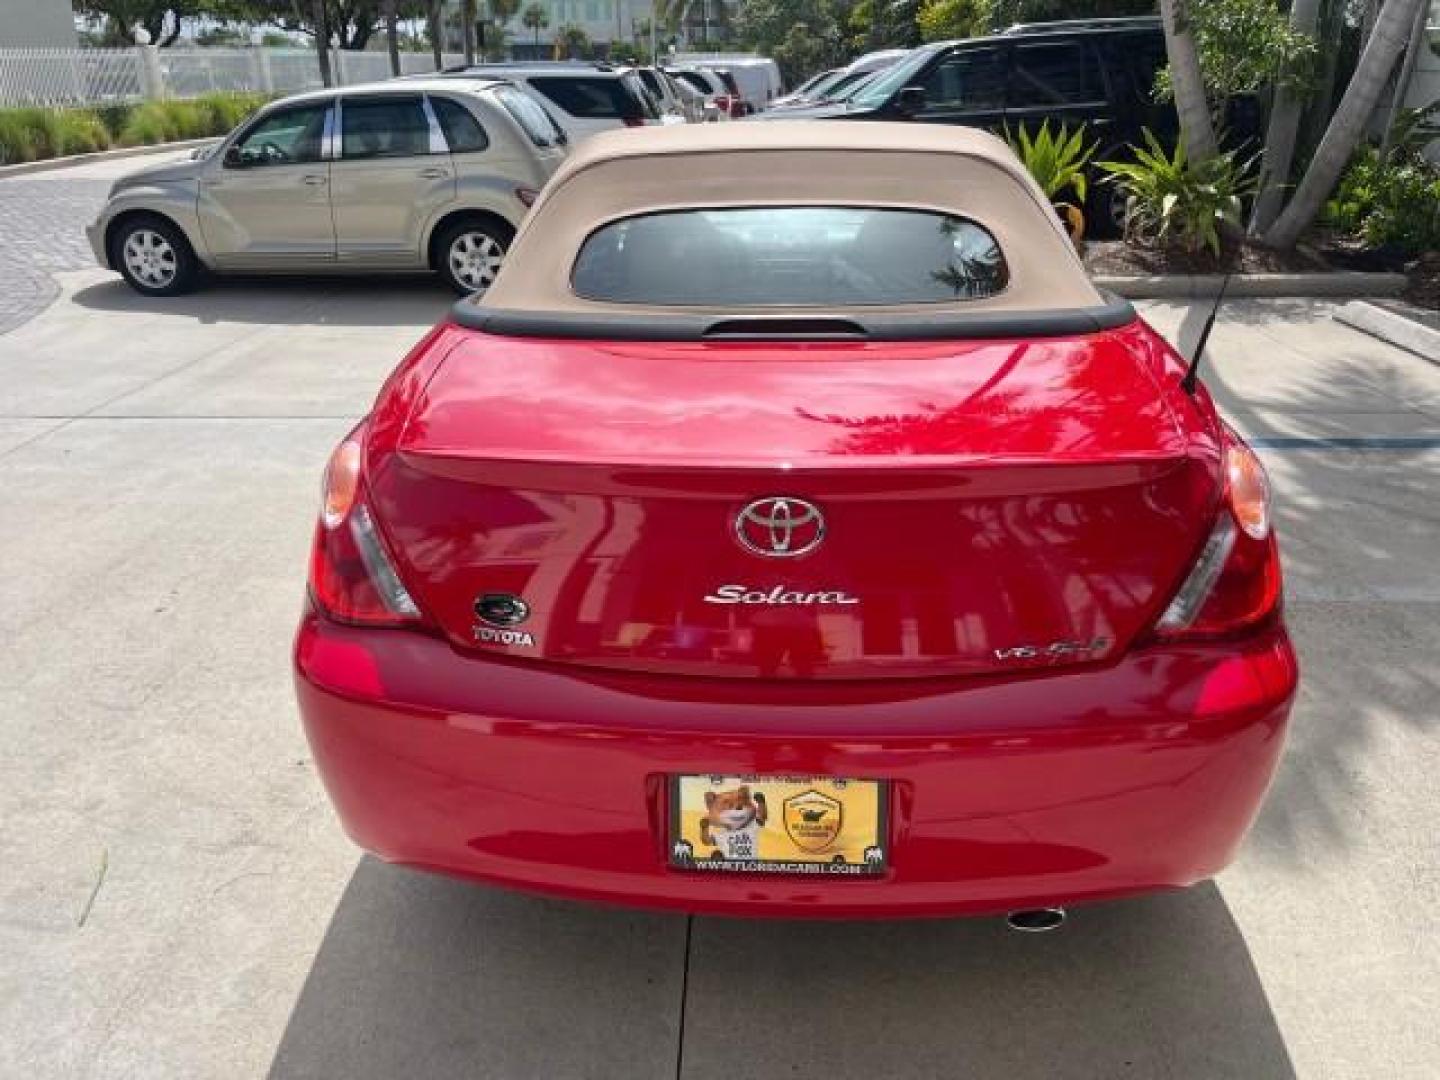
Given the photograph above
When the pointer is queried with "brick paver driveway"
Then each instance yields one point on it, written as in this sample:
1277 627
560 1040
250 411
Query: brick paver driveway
42 230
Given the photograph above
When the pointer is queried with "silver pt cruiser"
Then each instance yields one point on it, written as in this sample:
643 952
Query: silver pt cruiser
421 174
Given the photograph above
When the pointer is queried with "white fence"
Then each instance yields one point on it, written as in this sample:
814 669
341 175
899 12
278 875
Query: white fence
109 76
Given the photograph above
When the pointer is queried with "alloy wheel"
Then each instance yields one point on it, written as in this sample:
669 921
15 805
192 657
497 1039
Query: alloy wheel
150 258
475 258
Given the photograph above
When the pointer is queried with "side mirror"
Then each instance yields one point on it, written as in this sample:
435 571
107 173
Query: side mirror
910 101
232 159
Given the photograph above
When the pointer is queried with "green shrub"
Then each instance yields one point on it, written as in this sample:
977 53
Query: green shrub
32 134
16 141
1393 201
82 132
146 125
43 128
114 117
224 112
1173 201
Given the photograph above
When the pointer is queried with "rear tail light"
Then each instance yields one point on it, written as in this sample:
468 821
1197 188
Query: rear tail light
1235 583
527 195
633 121
351 576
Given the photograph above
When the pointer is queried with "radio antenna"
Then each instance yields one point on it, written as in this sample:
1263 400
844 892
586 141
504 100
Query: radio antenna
1192 373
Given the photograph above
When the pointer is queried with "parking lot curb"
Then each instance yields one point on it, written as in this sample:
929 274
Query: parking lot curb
21 168
1395 325
1196 286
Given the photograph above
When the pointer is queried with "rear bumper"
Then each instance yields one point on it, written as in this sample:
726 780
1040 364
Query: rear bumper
1044 790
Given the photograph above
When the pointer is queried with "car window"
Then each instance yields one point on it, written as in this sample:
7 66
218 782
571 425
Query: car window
384 127
533 120
884 86
1055 73
794 256
1142 55
285 137
973 79
648 104
698 81
652 83
589 98
854 89
463 133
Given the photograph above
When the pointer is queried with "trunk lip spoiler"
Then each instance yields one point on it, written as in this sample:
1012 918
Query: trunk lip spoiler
852 325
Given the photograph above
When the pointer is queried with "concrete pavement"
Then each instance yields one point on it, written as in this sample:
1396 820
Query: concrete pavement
177 900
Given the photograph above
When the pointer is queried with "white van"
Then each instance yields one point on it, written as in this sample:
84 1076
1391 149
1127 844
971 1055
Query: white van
758 77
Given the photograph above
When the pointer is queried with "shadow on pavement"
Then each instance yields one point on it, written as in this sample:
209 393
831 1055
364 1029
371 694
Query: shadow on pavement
424 977
1357 535
338 301
420 976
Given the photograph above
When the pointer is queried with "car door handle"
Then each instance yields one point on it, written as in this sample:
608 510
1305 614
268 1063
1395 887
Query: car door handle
315 181
434 174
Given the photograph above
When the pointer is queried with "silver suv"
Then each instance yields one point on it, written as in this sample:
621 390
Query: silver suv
413 175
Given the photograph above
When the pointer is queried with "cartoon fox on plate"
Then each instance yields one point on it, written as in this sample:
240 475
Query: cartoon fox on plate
732 822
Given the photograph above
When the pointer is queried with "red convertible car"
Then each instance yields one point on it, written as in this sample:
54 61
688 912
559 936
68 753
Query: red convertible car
793 529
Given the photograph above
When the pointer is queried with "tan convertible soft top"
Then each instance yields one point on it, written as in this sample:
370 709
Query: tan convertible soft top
955 170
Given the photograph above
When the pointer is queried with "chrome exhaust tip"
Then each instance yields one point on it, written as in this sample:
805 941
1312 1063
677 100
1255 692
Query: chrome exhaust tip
1036 920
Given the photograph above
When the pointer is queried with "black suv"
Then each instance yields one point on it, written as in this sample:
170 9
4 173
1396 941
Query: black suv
1099 72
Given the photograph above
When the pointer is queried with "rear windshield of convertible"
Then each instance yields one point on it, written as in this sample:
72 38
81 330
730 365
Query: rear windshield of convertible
789 256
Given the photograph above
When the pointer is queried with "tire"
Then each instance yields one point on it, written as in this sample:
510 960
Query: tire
1105 211
468 254
154 257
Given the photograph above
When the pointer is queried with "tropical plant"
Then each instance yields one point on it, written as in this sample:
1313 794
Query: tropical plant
573 40
1175 201
1057 161
1058 164
535 19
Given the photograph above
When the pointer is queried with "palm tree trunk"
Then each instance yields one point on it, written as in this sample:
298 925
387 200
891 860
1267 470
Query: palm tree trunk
320 16
1392 31
467 30
437 45
392 36
1196 128
1280 135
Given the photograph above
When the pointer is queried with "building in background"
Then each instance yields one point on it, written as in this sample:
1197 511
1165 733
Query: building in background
36 24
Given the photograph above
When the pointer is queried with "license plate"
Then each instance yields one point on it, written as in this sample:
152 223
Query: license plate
778 825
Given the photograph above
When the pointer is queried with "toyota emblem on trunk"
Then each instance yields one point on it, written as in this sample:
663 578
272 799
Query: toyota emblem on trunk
780 527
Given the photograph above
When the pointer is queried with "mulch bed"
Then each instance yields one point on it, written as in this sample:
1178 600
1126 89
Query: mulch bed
1118 257
1320 252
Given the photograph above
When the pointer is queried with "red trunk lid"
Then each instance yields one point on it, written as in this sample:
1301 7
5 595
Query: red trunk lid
986 506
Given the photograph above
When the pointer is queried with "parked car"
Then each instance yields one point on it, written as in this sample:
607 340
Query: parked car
692 99
828 90
757 78
432 174
585 97
722 93
809 90
1098 72
707 84
674 104
834 548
